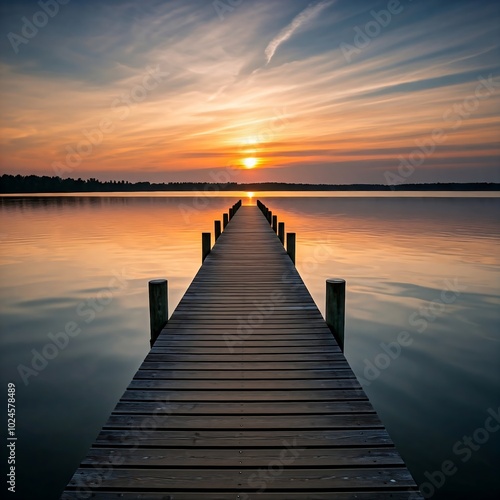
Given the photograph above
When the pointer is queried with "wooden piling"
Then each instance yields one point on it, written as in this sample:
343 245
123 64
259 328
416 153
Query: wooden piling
270 216
225 220
158 307
290 245
335 309
275 223
281 232
205 245
231 213
217 229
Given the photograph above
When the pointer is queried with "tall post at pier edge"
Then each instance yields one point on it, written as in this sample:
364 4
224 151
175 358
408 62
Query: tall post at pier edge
225 220
217 229
275 223
290 246
158 307
281 232
335 309
205 245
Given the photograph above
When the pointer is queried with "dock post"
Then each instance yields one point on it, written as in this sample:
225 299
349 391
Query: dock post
335 309
158 307
290 245
217 229
270 216
205 245
281 232
231 212
225 220
275 223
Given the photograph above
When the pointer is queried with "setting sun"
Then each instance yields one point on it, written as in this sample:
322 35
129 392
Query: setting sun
250 162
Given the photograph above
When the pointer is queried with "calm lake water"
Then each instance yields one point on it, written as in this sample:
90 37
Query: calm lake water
423 264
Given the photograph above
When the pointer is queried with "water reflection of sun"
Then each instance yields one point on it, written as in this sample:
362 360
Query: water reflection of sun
250 196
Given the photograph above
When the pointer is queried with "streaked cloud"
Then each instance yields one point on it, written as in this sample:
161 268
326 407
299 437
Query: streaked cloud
304 17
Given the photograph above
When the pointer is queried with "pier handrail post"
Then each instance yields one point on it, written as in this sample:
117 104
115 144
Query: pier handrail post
158 307
281 232
270 216
335 309
290 245
225 220
205 245
275 223
217 229
231 213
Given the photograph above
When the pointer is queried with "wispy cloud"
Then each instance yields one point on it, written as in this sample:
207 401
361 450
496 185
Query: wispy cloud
306 15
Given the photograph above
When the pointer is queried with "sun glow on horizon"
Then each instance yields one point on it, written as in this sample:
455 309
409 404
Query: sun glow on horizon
250 162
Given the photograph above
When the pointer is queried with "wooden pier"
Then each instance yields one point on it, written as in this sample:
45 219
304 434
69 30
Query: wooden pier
244 395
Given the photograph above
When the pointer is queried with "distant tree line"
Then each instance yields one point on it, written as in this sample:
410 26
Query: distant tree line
46 184
10 184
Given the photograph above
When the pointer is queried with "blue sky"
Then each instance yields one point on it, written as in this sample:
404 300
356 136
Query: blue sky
297 91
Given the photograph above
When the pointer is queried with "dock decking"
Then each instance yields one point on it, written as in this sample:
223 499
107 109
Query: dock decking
244 395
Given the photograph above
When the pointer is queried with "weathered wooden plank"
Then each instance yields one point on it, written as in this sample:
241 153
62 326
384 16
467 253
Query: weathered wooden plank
262 332
160 364
240 347
249 358
243 422
326 373
179 341
246 479
244 385
243 408
409 494
319 438
247 395
257 457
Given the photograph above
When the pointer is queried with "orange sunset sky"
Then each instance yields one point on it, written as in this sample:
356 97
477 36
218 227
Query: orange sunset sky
251 90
